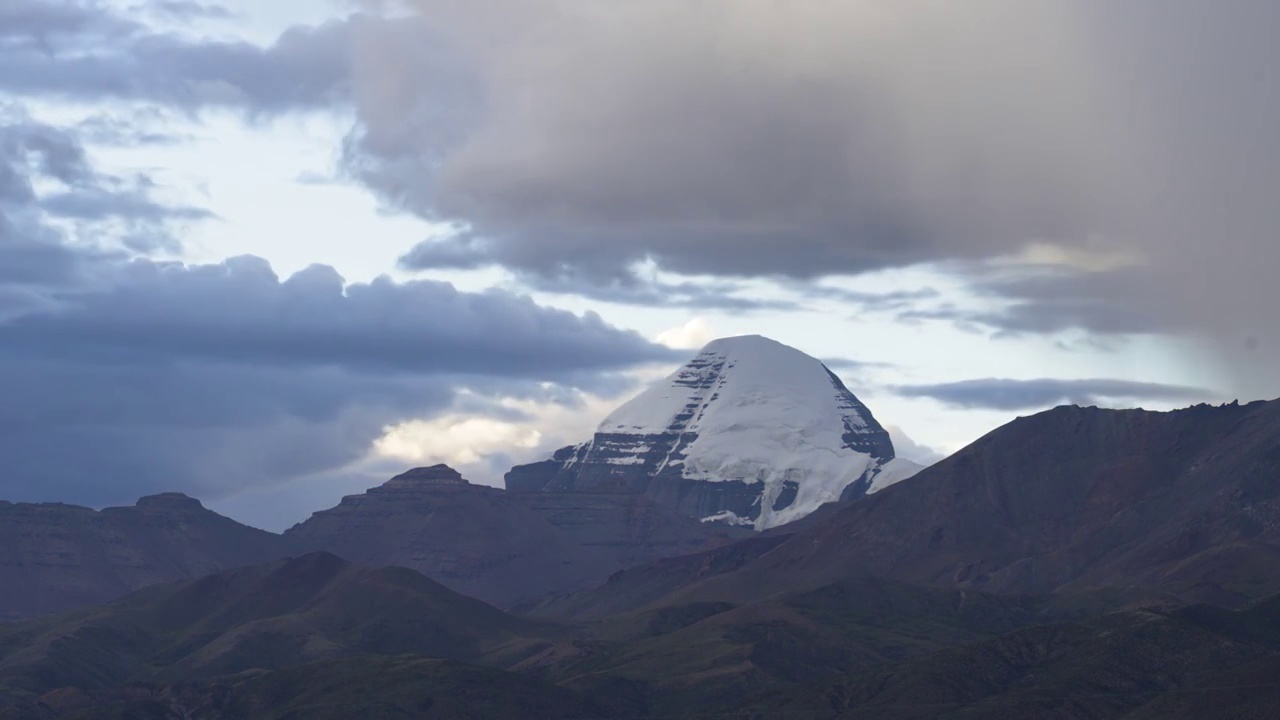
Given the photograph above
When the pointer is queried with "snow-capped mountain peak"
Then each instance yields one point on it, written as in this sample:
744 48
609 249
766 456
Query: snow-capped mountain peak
739 382
749 430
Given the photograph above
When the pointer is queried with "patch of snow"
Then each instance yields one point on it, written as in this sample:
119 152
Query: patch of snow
625 460
894 472
577 454
729 518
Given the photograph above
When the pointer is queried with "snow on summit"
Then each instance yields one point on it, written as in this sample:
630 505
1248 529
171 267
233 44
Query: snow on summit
752 409
749 432
750 375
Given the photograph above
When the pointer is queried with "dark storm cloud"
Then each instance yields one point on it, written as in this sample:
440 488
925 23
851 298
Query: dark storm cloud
747 138
631 287
213 379
750 138
124 376
626 287
84 51
797 140
32 261
1023 316
457 252
1035 299
1047 303
1010 395
240 312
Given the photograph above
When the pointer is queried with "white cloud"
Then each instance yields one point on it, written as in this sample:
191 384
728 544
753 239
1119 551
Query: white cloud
454 440
905 447
488 439
693 334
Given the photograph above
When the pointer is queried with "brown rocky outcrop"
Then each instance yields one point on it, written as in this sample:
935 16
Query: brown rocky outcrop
54 557
505 548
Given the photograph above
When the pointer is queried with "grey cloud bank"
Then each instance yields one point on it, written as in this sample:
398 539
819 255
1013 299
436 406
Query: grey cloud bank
749 138
1041 394
85 51
752 138
124 375
214 379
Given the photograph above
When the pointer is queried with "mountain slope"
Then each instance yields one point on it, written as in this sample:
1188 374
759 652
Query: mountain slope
377 688
55 557
643 585
505 548
1070 500
1190 663
713 655
750 431
319 637
287 613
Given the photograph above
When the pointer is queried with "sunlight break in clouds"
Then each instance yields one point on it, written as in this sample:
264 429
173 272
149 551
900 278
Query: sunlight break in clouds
483 446
692 335
454 439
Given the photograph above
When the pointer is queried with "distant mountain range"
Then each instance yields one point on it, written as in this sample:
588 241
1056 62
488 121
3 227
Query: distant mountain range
1079 563
505 548
749 434
318 637
55 557
1071 501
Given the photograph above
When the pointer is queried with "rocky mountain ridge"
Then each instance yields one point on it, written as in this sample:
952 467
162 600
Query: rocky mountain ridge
55 557
750 434
485 542
1118 504
504 548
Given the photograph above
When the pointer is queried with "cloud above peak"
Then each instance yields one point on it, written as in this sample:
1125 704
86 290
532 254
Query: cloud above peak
571 142
748 138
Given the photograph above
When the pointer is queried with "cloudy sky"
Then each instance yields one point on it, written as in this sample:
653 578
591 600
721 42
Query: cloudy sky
271 253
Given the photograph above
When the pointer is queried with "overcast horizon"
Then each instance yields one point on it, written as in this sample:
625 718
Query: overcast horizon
271 255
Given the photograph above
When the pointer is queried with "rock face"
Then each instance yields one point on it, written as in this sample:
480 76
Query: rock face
749 432
1071 500
504 548
55 557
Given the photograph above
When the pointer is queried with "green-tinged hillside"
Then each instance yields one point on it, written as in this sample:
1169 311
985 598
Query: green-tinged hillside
369 688
292 612
1197 662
